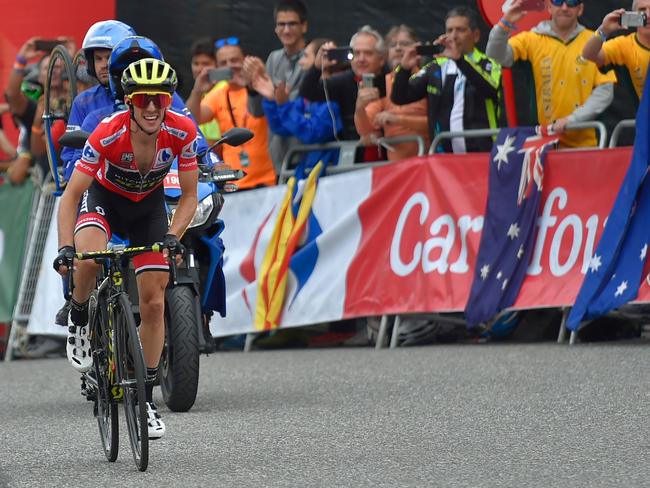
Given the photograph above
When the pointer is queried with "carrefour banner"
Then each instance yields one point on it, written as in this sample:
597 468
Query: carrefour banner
404 238
15 208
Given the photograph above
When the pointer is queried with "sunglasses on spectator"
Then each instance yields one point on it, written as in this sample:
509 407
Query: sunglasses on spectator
291 24
143 99
569 3
227 41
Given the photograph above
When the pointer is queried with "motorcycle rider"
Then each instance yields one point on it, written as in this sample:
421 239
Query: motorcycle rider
97 46
129 49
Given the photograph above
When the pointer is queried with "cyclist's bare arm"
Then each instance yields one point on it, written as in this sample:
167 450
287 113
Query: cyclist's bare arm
78 184
186 204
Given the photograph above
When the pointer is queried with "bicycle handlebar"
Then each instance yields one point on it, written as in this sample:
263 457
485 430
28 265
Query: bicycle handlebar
118 251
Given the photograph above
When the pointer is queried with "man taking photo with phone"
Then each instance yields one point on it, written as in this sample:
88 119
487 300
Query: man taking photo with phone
228 105
368 57
568 88
462 85
631 51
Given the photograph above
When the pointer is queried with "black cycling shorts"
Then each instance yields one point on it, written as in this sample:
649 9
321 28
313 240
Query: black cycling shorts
142 223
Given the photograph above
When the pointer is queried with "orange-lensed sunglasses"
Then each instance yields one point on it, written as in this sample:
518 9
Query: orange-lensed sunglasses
143 99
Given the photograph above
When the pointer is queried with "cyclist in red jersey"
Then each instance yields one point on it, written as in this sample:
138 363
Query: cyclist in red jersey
117 187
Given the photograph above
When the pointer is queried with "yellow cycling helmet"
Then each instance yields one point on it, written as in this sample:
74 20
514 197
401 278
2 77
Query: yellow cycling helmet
149 74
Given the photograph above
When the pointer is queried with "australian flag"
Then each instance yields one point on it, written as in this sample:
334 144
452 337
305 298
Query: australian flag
508 237
616 268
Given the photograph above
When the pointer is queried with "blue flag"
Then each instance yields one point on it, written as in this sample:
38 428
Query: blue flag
615 269
507 240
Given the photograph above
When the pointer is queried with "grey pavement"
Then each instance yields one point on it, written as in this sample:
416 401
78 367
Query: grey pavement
538 415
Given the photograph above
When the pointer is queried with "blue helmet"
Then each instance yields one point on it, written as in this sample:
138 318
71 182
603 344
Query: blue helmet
103 35
125 52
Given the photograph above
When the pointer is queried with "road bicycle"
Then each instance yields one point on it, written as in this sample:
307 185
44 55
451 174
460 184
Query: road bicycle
118 373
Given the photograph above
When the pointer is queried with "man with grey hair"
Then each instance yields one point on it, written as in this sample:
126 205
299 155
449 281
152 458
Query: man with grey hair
369 58
631 51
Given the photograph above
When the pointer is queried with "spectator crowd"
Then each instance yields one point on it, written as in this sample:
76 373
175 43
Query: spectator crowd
311 91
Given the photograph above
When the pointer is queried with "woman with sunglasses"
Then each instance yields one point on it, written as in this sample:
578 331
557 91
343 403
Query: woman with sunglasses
120 177
567 87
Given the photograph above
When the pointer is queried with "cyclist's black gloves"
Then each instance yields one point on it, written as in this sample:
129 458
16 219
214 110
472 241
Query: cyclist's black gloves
171 242
64 258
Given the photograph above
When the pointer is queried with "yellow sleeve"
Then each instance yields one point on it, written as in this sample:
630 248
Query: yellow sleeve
615 50
520 45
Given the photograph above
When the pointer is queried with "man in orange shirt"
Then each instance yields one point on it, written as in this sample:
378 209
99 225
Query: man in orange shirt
228 106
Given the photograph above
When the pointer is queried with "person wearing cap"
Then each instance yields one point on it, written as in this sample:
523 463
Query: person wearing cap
631 51
568 88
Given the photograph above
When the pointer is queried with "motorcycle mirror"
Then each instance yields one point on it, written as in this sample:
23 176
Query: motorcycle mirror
236 136
233 137
75 139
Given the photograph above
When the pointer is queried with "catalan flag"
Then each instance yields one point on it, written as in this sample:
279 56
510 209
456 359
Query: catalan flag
292 249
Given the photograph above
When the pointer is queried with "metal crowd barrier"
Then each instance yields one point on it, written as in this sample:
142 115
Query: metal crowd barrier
41 217
594 124
616 133
347 151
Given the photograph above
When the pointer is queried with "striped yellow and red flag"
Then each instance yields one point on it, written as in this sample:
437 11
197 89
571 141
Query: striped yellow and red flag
289 227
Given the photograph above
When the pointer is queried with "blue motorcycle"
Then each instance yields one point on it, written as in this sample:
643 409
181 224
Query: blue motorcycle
198 284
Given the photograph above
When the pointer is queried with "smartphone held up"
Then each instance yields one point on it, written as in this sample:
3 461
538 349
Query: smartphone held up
340 55
216 75
46 45
527 5
633 19
428 49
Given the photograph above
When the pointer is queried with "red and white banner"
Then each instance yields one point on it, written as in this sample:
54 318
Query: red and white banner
404 237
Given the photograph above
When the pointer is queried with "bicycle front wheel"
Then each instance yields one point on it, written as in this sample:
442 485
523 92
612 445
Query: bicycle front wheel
103 354
131 370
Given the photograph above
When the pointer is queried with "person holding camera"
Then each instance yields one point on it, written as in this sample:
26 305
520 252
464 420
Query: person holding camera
309 122
377 116
631 51
567 87
202 52
24 95
368 58
228 105
462 85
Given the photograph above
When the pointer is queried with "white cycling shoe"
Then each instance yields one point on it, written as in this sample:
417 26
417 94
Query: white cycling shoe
78 347
154 423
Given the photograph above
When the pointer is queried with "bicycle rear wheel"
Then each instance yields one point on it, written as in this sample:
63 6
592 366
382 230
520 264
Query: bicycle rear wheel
105 405
131 370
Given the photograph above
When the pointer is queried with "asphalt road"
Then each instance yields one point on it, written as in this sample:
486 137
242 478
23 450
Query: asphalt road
537 415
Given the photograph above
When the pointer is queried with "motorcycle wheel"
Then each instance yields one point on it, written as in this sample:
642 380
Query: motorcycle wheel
179 372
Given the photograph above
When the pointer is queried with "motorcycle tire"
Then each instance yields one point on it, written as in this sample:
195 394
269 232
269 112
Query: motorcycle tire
179 372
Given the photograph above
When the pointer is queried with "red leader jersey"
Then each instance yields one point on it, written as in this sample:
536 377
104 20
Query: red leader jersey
108 154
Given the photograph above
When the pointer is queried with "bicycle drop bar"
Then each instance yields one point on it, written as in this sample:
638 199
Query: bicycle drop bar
116 252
